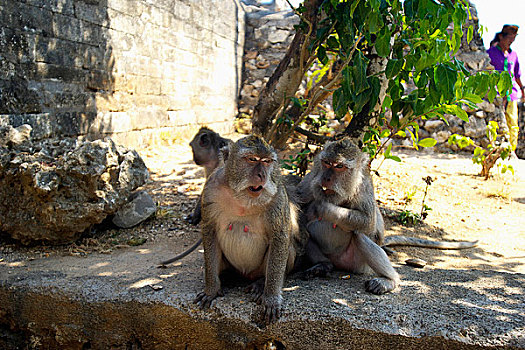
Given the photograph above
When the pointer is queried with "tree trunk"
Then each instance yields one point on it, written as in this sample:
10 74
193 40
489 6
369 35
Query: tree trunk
286 79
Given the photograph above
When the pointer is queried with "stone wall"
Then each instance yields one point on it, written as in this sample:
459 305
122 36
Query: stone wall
137 70
268 36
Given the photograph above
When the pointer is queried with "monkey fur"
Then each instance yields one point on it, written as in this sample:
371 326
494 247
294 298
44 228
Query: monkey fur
209 151
342 217
249 224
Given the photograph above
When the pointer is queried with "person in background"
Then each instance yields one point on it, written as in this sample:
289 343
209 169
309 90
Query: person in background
504 59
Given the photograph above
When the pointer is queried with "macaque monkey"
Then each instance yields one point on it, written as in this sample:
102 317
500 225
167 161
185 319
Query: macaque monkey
342 217
249 225
209 151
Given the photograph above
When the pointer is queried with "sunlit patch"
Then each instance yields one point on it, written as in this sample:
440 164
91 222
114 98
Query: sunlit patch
99 265
145 282
169 275
343 302
291 289
144 251
16 264
105 274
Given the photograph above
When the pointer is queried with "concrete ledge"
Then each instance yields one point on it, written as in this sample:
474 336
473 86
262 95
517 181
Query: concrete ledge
106 301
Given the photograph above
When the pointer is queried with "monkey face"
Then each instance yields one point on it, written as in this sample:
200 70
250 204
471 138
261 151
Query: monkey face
337 171
250 171
328 180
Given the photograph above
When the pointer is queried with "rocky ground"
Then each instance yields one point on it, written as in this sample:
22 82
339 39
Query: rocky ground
463 206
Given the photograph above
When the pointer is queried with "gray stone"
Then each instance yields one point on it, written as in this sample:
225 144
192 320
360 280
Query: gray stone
441 136
487 107
10 136
54 189
278 36
475 128
140 207
433 125
477 60
108 301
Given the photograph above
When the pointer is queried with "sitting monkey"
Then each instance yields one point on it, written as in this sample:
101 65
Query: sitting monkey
342 217
209 151
248 224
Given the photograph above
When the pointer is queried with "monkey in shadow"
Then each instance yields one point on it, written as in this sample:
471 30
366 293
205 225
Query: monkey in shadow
209 151
345 226
249 225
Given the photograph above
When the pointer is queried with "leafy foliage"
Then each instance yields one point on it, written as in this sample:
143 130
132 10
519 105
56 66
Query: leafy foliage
367 51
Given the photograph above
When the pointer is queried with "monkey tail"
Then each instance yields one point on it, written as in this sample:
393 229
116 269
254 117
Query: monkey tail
425 243
181 255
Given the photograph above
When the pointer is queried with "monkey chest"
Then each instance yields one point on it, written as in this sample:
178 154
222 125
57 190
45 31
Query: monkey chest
331 239
244 244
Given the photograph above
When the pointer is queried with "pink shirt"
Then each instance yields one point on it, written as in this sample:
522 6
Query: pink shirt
497 59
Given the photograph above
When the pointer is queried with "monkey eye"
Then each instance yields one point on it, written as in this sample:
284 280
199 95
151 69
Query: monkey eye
266 160
253 159
326 164
338 166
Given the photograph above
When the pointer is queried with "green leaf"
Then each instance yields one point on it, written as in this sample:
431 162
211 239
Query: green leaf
332 43
383 43
428 142
375 22
504 83
410 9
470 34
353 7
387 154
461 114
445 78
360 82
393 67
472 98
321 54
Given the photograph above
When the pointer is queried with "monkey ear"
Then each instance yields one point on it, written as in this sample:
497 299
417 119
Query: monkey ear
225 152
204 140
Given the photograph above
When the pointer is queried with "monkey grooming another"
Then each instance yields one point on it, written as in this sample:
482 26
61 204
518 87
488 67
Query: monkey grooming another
209 151
342 217
248 224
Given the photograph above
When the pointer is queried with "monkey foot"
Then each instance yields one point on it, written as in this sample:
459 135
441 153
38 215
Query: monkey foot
318 270
192 219
204 300
272 313
256 290
379 286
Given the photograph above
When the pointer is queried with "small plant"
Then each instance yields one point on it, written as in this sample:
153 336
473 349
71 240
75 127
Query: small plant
298 164
486 157
409 218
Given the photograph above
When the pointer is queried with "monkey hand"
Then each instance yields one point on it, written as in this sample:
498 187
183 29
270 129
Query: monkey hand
256 289
203 299
272 307
315 211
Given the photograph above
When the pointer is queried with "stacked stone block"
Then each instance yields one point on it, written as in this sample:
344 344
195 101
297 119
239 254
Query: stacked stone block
138 71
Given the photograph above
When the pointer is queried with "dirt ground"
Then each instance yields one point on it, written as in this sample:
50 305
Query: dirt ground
463 206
